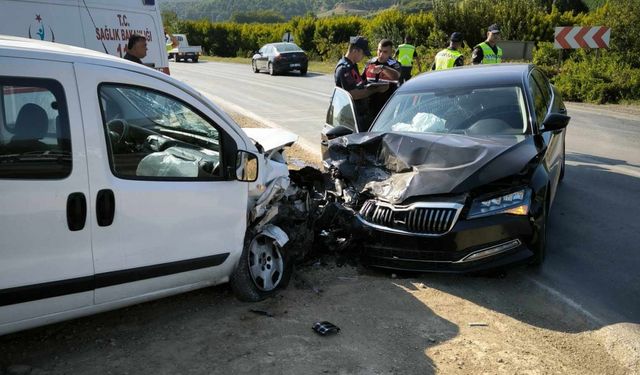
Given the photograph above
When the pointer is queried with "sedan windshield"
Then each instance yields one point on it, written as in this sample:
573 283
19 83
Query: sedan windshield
469 111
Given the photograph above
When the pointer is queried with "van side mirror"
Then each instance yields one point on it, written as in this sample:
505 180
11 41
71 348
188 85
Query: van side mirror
338 131
555 121
246 166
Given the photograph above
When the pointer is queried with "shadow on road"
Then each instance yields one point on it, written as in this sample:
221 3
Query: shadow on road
592 257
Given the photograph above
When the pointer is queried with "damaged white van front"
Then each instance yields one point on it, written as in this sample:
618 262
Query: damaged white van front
120 184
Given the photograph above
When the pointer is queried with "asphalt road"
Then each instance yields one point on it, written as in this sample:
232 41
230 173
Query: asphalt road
593 260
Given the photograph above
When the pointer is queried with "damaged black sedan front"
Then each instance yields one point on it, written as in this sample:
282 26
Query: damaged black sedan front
457 173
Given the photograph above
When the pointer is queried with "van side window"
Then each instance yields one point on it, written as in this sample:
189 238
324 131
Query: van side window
153 136
35 141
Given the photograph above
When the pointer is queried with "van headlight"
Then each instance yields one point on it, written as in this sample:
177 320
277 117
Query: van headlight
516 203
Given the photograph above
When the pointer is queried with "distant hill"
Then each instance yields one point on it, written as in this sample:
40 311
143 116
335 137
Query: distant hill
223 10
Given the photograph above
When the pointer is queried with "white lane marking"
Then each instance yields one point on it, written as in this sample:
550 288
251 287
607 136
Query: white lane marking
306 145
566 300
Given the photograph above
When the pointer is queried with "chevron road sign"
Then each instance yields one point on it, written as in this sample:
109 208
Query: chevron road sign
581 37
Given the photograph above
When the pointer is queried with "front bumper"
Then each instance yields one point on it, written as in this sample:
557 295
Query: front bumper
497 241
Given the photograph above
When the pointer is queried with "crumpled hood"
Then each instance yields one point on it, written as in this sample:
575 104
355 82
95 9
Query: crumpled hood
395 166
271 139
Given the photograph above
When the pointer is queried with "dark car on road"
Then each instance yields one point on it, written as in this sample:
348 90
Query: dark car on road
458 171
280 57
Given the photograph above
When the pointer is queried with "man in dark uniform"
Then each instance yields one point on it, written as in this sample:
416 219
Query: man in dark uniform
348 77
136 48
382 68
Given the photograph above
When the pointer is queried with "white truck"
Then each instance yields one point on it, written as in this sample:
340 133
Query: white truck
184 51
100 25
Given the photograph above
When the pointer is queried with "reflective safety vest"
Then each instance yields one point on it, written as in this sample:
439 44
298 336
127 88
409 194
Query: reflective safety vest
405 54
446 58
489 57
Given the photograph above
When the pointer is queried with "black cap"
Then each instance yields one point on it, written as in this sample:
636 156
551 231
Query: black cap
456 37
494 29
360 42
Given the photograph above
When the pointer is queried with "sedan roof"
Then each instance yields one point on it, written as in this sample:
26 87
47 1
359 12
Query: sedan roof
472 75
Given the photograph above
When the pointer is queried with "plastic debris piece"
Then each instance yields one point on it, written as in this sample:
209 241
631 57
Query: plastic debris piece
325 328
478 324
262 312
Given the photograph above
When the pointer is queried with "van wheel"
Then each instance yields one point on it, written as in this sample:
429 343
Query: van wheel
195 59
262 269
303 72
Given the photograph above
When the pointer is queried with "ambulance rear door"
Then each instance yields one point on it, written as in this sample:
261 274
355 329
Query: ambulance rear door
108 25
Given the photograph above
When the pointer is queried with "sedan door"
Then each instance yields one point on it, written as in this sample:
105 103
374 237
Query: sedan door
46 263
167 213
264 57
542 96
341 118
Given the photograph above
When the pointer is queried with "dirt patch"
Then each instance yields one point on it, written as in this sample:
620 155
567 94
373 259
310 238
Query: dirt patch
389 325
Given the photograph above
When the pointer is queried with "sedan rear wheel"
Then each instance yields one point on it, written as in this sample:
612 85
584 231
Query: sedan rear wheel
254 66
562 166
271 70
539 243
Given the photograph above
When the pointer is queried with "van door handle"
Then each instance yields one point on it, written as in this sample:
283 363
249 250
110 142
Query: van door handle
76 211
105 207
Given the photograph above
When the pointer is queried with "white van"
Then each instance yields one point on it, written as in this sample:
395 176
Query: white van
120 184
100 25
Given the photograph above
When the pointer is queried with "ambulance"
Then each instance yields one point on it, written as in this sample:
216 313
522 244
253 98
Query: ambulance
100 25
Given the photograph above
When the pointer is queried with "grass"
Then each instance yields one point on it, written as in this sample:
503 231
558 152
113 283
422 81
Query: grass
314 66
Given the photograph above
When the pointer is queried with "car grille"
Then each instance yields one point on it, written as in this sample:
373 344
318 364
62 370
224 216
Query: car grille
420 219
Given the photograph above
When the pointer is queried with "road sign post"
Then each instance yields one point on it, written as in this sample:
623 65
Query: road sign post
573 37
570 37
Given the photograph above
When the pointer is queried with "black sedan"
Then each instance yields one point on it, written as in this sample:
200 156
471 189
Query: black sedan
458 171
280 57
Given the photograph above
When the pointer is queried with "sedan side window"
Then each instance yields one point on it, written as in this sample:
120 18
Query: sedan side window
151 135
539 101
544 85
340 111
35 140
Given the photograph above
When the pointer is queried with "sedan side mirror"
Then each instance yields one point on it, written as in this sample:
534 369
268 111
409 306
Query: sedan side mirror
555 121
338 131
246 166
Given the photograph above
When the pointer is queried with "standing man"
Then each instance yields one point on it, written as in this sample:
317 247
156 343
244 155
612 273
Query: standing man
136 48
488 51
450 56
347 76
405 54
382 68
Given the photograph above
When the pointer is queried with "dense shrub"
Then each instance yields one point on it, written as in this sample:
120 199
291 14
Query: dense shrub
607 78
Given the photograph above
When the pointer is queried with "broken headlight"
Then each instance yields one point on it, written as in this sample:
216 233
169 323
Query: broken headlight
515 203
